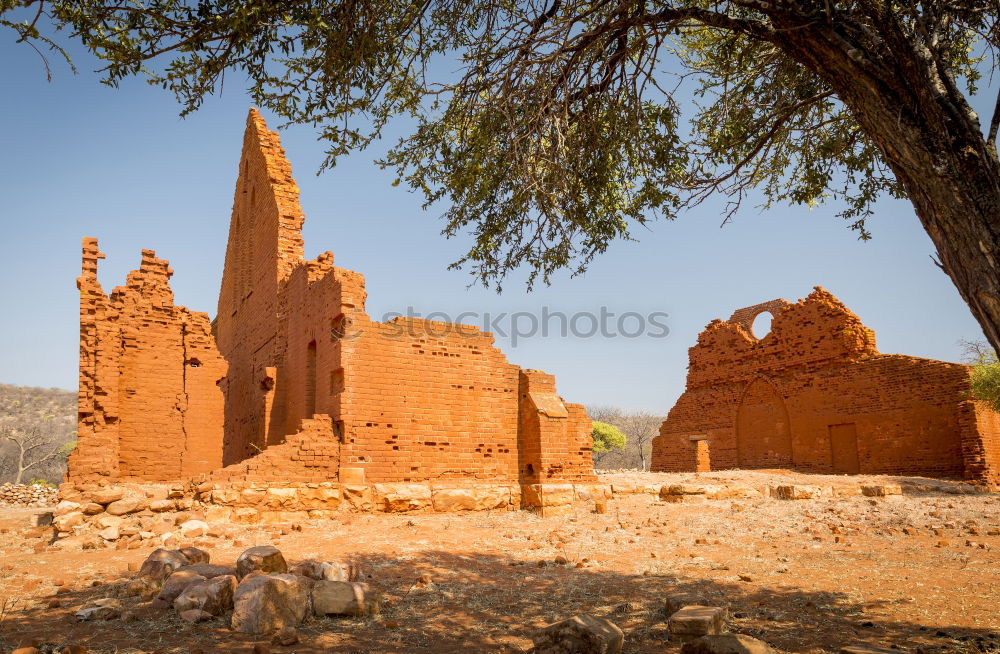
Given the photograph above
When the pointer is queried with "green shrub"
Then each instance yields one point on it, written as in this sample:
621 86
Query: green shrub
985 382
607 437
41 482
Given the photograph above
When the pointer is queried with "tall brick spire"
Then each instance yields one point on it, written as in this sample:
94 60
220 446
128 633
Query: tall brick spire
265 230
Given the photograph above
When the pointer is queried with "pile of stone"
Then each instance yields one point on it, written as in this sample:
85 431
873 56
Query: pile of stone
261 595
126 518
28 494
700 629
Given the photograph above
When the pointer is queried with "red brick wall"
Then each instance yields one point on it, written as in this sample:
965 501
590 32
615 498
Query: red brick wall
265 246
555 436
313 385
149 404
774 402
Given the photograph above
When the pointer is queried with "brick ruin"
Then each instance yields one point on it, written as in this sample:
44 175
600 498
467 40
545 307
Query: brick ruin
815 395
294 382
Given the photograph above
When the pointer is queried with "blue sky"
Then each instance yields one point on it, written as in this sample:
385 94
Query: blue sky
80 159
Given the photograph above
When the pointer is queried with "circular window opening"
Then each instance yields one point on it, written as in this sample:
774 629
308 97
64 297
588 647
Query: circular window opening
761 326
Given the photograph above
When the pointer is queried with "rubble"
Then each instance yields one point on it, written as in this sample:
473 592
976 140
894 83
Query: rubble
581 634
28 494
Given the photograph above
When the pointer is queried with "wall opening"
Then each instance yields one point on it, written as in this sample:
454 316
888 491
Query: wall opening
761 325
337 381
702 455
844 458
311 380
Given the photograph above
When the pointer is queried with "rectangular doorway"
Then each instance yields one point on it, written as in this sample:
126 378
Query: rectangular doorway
702 456
844 449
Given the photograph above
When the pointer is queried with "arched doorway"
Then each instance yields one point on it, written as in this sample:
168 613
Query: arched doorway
763 436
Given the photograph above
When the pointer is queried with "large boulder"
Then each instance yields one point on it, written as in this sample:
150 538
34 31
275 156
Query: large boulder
726 644
581 634
175 585
162 506
65 507
194 555
67 521
174 558
213 596
328 571
107 495
130 504
207 570
263 604
157 567
691 622
343 598
109 533
106 521
265 558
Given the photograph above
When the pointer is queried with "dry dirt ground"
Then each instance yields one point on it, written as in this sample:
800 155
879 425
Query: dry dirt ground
917 572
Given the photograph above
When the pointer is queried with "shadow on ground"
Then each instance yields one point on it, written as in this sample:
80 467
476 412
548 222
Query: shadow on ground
483 603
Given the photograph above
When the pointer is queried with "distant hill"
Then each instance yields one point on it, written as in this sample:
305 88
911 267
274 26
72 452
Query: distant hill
51 411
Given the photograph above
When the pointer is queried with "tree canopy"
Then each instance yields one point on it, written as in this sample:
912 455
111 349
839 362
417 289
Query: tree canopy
548 129
606 437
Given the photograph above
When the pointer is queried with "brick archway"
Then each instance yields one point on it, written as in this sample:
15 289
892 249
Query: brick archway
763 433
745 317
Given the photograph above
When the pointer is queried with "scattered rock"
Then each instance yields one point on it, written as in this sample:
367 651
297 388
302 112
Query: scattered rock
195 615
862 648
109 533
207 570
694 621
193 528
674 602
262 603
212 595
127 505
107 495
286 636
101 609
581 634
67 521
328 570
161 506
175 585
65 507
343 598
726 644
175 558
194 555
265 558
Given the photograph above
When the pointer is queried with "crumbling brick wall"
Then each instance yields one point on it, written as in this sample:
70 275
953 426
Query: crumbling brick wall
315 390
816 395
149 404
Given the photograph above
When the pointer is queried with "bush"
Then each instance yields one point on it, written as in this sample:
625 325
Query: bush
985 382
606 437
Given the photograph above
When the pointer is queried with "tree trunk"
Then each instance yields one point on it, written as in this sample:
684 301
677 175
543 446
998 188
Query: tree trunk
907 102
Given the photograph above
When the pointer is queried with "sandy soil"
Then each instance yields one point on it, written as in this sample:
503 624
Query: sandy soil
916 572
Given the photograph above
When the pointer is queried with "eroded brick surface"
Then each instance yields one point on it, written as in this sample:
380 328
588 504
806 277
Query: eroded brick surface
293 381
149 405
816 395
